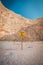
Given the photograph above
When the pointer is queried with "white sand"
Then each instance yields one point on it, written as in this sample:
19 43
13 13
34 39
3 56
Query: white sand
11 54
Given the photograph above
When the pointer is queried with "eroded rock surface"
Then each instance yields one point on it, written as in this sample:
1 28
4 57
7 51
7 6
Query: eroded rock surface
11 24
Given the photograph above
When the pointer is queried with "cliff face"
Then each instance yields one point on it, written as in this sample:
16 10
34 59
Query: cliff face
11 24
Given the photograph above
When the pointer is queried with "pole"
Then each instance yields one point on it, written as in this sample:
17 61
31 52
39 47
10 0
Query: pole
21 43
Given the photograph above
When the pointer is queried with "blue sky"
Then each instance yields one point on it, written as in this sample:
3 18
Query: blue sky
30 9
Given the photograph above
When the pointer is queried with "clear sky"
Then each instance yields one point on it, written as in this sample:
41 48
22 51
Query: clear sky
30 9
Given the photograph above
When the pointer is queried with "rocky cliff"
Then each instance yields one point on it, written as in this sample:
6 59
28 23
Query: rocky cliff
12 24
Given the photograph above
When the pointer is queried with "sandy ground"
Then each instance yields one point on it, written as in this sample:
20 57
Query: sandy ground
11 53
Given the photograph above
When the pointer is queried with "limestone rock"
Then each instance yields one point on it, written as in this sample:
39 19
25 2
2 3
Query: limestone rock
11 24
